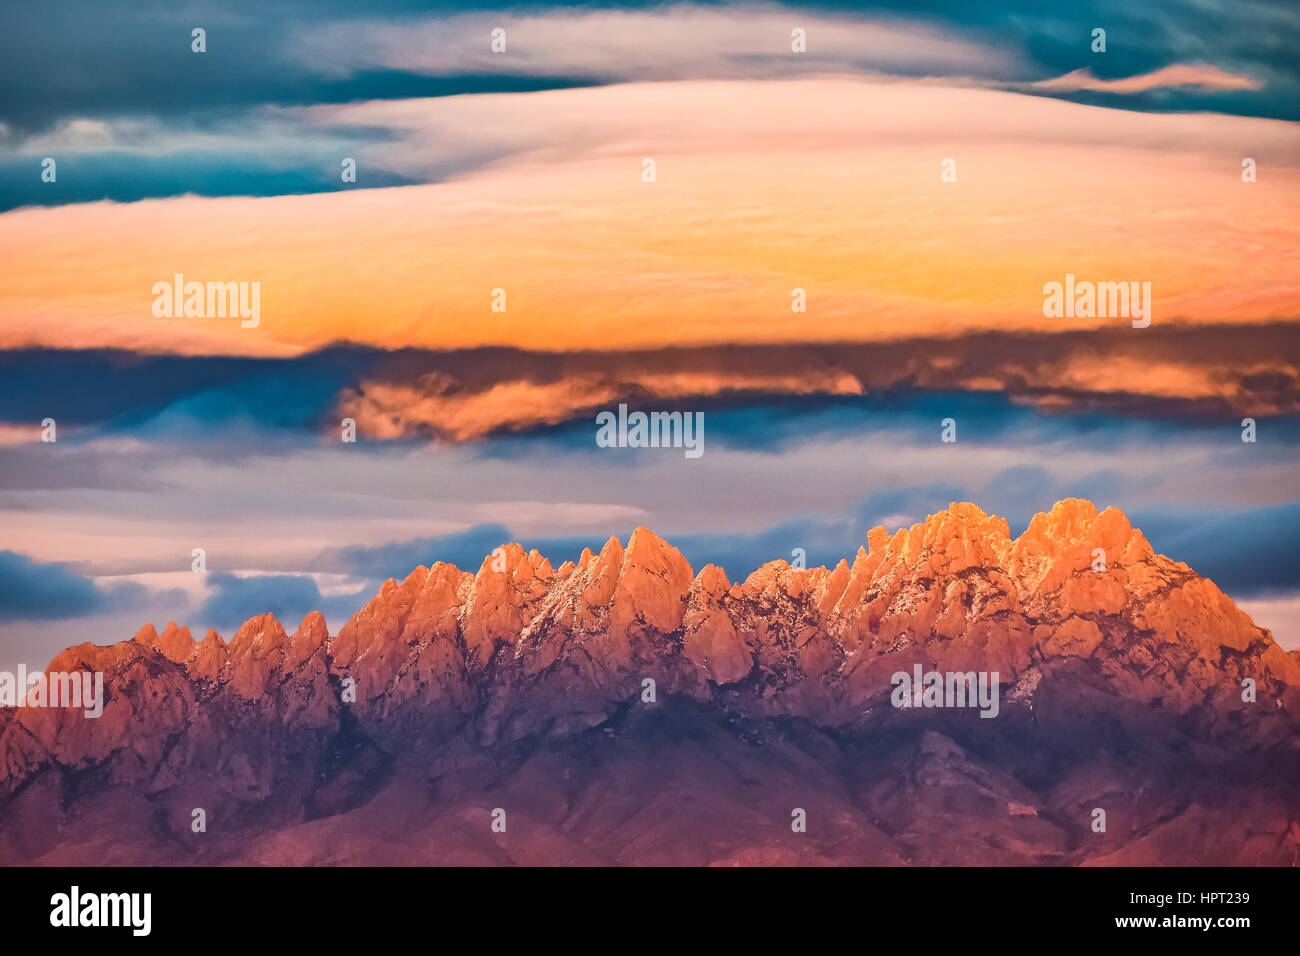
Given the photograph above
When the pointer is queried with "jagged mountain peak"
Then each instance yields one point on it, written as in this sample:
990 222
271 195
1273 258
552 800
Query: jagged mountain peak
955 588
447 664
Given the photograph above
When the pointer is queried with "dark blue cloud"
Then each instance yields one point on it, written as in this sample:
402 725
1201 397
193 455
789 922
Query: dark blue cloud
126 177
30 590
465 549
778 425
1248 552
212 407
292 402
906 384
98 386
226 408
232 405
81 58
34 590
290 597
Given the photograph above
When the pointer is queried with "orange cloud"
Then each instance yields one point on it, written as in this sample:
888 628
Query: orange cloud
1209 371
829 185
439 404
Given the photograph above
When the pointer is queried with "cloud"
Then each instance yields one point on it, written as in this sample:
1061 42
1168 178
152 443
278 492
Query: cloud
115 385
691 259
1200 75
1194 373
1248 552
1280 614
150 119
465 549
33 590
241 170
378 509
29 589
290 597
58 70
679 41
243 406
57 66
438 404
427 138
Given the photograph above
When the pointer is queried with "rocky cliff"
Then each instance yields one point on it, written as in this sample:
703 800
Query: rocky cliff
1123 679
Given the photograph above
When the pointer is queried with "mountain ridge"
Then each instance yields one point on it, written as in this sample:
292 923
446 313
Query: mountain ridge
524 655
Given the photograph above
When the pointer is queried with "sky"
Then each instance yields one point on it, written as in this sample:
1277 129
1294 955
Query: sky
504 267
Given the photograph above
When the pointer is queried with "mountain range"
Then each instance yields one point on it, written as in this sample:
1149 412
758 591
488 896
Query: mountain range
626 709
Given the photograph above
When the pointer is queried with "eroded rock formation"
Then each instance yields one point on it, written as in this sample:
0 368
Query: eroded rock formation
1120 687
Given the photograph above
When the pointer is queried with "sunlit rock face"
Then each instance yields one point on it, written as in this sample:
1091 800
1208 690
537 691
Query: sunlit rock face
626 709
